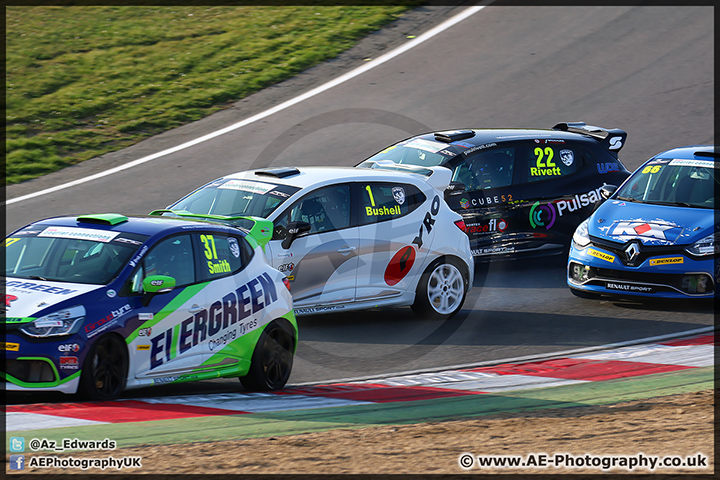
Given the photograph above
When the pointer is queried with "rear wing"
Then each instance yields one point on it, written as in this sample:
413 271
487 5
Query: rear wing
612 139
259 230
437 177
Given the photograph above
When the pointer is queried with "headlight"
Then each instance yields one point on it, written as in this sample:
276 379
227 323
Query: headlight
581 237
63 322
706 246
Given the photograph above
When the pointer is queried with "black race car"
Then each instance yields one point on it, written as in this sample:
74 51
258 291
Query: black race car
521 192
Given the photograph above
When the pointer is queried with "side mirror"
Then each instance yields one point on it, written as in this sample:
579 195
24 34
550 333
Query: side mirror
606 191
294 230
455 188
156 284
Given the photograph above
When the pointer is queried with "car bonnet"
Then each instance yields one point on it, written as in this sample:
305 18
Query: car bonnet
26 299
622 221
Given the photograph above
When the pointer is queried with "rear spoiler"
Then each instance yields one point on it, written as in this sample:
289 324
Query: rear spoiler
611 139
259 230
437 177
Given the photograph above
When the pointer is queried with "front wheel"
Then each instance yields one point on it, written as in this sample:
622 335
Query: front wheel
441 291
105 369
272 359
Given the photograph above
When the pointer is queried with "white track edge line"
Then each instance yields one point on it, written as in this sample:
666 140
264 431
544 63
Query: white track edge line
541 356
322 88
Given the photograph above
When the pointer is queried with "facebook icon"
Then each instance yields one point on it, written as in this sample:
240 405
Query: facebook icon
17 462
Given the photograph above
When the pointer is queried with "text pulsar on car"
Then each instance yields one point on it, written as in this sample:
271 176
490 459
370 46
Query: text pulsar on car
352 239
521 192
101 303
657 235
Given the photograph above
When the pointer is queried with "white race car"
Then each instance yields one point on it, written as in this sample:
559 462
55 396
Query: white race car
350 238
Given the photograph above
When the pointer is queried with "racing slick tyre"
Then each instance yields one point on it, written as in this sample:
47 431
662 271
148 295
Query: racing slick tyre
584 294
272 359
105 369
441 291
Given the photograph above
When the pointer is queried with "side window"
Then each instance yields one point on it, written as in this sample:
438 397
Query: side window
386 201
325 209
550 161
486 169
172 256
221 255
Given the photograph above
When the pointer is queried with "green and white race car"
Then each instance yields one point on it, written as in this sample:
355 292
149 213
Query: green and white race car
103 303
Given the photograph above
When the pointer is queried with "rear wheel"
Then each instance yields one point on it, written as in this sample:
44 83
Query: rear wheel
105 369
272 359
441 291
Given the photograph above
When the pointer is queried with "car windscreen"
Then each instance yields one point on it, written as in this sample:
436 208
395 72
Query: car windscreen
417 151
679 182
68 254
235 197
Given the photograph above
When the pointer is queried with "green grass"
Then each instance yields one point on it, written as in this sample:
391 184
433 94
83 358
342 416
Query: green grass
83 81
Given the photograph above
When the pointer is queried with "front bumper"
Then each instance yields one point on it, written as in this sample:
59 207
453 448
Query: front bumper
597 270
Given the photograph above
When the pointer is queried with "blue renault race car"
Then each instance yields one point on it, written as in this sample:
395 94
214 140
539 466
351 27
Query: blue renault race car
656 235
100 303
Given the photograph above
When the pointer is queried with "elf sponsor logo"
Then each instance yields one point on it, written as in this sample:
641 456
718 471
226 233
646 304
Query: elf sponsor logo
666 261
493 225
223 314
649 230
145 332
70 347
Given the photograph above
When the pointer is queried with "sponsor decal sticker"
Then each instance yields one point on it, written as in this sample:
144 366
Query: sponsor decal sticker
628 287
464 203
70 347
601 255
400 265
666 261
69 363
286 267
646 230
398 194
427 145
10 347
111 293
608 167
246 186
9 299
234 247
145 316
694 163
143 347
492 226
79 234
567 157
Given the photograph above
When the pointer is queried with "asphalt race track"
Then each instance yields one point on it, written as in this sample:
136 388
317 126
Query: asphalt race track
648 70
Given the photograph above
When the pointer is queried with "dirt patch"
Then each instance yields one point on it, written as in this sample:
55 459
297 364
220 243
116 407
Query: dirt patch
679 425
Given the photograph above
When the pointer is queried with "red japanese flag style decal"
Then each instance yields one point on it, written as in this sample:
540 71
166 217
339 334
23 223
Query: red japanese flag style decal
399 265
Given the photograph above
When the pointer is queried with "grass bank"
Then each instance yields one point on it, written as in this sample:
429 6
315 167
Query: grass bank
87 80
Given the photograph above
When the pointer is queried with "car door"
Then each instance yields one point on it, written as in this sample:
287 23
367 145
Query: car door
390 217
159 348
488 204
320 263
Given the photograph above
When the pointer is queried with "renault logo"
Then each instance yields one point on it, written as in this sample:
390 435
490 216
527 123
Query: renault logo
632 251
